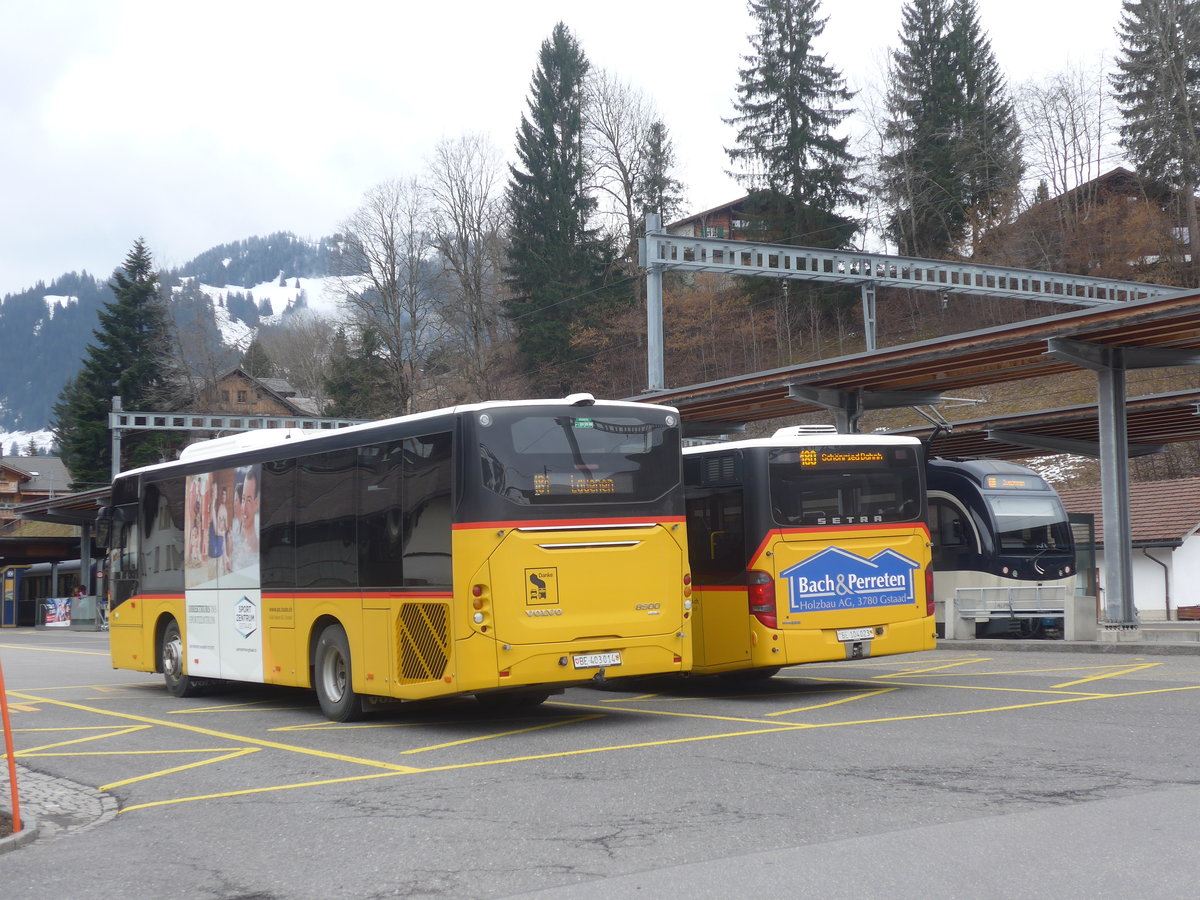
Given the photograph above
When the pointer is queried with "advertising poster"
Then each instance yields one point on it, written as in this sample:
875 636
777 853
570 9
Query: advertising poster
221 574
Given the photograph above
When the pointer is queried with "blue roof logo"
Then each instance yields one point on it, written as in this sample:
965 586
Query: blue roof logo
838 579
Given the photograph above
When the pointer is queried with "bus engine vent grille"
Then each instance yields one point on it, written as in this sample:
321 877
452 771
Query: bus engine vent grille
720 468
423 636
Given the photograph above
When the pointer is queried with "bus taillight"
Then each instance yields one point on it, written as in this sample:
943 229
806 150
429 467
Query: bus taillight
929 590
761 594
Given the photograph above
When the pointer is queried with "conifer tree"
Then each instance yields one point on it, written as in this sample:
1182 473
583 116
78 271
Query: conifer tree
128 359
953 168
1157 87
789 104
660 191
556 261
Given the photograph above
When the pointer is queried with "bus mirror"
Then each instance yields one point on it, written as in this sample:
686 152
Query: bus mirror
106 518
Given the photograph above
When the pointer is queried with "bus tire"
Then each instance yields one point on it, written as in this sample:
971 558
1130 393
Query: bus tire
511 700
171 658
332 676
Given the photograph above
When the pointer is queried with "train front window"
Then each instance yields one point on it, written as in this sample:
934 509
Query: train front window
845 485
584 456
1025 523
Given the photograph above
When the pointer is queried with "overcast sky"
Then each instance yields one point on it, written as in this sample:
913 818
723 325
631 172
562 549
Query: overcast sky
198 123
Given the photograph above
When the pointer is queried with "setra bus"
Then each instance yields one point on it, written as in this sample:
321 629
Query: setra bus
807 546
503 549
1003 551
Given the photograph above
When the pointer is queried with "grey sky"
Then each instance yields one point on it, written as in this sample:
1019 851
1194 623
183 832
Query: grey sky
196 123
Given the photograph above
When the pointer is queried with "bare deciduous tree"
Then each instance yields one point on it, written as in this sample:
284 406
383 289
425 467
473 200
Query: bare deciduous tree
300 351
1068 130
466 186
620 122
387 278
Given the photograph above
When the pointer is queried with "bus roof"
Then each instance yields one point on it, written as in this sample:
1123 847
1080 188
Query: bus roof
249 441
810 439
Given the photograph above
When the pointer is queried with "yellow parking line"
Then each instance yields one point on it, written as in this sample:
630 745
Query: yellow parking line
223 735
204 762
1102 675
862 696
489 737
924 671
53 650
120 732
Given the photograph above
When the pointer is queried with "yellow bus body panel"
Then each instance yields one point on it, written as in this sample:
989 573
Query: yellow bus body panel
612 590
729 639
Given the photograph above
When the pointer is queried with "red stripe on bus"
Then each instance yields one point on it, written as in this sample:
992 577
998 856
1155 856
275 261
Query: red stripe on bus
563 523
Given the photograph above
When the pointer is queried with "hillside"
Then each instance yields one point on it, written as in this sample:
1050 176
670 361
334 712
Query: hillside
225 294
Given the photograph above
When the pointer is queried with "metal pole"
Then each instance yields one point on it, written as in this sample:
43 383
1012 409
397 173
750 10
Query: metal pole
655 379
116 441
868 303
1119 608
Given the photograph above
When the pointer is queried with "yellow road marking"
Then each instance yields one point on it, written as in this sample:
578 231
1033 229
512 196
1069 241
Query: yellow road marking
204 762
1120 671
53 650
862 696
924 671
265 790
120 732
223 735
489 737
22 707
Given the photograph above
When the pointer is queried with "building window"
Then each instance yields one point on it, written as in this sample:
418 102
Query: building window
224 396
243 396
712 231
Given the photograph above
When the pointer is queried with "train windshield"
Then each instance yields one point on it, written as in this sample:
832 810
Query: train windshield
1030 523
836 485
586 456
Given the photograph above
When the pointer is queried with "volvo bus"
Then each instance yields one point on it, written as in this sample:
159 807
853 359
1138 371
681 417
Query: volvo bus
807 546
1003 552
505 550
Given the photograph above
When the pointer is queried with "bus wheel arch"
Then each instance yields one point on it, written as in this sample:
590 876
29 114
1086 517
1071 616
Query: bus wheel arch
170 659
332 673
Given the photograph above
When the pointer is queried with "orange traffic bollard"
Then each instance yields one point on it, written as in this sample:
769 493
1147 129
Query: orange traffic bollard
12 760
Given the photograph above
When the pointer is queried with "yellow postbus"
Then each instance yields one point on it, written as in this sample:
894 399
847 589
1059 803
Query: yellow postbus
500 549
807 546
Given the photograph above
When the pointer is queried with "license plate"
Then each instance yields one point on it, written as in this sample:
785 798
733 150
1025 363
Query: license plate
855 634
597 660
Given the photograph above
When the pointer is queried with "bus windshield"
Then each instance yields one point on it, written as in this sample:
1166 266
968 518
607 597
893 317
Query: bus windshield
583 456
845 484
1026 522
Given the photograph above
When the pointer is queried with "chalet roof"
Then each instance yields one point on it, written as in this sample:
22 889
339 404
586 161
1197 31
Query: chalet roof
700 216
45 473
1161 513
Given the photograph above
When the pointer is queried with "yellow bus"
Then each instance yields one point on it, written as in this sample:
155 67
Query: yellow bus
500 549
807 546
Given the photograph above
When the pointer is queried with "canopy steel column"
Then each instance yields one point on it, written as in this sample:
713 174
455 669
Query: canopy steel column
654 312
1110 364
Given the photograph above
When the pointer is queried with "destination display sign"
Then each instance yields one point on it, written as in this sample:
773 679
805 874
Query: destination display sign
1014 483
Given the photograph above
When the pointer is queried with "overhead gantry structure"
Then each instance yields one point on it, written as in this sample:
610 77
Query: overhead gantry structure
1128 326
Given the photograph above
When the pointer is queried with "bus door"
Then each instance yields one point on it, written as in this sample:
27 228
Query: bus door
717 552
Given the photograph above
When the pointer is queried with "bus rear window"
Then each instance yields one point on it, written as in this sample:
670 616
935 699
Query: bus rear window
841 485
583 457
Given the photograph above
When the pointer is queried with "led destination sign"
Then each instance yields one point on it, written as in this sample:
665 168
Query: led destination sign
817 457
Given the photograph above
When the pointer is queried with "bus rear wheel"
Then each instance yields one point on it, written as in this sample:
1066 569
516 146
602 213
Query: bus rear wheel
332 676
171 659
